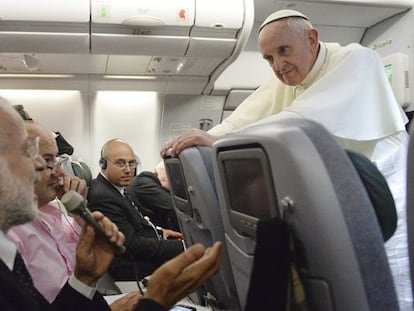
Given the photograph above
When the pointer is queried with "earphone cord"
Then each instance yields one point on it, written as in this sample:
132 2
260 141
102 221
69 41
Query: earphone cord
66 217
138 280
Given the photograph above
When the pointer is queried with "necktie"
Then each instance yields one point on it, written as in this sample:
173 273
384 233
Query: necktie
24 278
128 197
146 218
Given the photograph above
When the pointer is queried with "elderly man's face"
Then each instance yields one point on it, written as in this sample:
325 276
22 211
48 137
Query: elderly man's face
290 54
121 163
46 187
18 166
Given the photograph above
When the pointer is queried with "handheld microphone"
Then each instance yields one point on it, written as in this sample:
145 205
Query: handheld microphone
75 204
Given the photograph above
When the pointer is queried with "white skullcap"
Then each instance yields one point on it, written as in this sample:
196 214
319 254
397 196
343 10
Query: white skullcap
282 14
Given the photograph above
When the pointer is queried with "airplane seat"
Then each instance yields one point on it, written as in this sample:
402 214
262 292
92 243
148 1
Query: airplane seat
76 168
410 115
82 170
378 191
193 191
293 169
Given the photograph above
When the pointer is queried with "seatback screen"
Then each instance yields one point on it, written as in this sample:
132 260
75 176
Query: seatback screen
247 188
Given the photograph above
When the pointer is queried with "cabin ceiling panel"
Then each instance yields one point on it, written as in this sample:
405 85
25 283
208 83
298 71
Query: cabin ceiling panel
339 13
127 64
186 85
197 66
128 38
342 35
73 63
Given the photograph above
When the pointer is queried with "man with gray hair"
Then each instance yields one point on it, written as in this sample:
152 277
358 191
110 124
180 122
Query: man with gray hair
345 89
20 165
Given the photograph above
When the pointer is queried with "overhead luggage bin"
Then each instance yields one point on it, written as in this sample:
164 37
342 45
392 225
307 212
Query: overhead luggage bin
149 27
57 26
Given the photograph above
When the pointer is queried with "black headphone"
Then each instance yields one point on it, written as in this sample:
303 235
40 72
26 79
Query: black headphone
103 163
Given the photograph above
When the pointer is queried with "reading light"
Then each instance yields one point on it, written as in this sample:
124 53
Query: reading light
30 62
180 66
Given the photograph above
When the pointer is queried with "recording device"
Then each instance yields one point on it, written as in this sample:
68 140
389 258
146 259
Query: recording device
75 204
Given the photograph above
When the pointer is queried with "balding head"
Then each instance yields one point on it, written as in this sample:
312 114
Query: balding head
47 140
112 145
119 162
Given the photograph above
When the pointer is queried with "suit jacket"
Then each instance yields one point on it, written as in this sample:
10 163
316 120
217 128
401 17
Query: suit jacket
144 251
148 305
155 200
14 297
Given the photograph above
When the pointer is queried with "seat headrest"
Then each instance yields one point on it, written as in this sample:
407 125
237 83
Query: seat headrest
378 191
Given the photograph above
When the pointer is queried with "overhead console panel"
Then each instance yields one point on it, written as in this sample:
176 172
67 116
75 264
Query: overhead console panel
166 28
143 27
186 38
178 43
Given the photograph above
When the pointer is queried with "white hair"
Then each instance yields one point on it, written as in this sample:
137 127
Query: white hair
299 25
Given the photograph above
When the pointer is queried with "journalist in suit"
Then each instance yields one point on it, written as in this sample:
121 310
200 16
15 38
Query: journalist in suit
147 246
20 165
14 297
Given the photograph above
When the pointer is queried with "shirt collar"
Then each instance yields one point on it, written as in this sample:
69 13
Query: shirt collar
7 251
320 61
120 189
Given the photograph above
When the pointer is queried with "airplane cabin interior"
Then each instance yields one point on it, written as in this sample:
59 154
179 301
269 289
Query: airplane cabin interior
147 71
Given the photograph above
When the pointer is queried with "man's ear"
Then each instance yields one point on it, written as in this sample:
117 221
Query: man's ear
313 38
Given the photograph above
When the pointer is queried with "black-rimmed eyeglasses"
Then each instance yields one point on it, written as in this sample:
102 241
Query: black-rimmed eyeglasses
122 164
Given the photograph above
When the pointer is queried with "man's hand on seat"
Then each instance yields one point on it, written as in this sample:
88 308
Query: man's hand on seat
190 138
